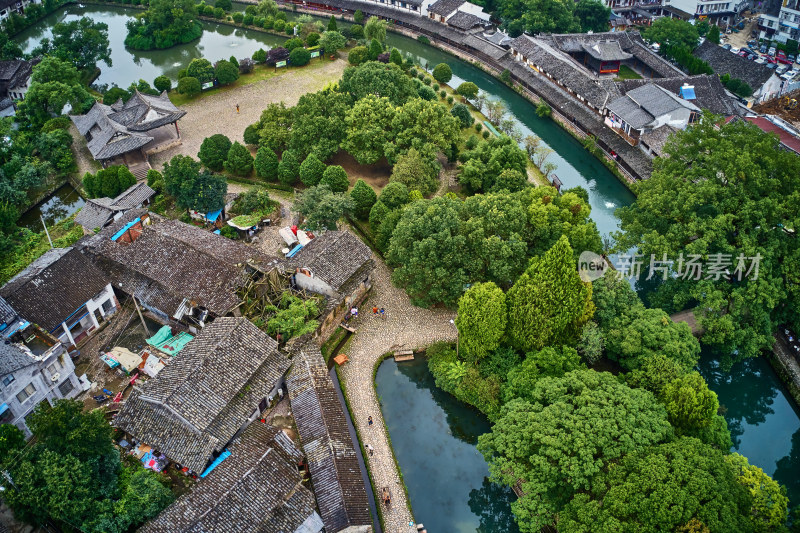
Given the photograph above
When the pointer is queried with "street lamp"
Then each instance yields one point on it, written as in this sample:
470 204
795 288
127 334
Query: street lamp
457 335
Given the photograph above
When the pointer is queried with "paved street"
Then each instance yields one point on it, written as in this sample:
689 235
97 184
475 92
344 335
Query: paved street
404 327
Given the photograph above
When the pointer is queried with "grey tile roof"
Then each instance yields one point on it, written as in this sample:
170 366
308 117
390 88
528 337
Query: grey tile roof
445 7
464 21
98 211
640 106
606 51
724 62
630 112
257 488
657 138
13 73
710 93
171 261
333 257
7 313
323 429
201 399
116 131
53 287
12 358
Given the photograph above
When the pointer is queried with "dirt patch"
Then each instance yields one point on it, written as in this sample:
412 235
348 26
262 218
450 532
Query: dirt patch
376 176
777 106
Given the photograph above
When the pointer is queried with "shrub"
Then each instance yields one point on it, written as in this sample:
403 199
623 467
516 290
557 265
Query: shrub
443 94
505 77
376 215
189 86
269 22
214 151
280 15
288 167
289 29
246 65
412 72
239 160
468 90
358 55
279 25
364 198
229 232
426 80
311 170
357 31
486 134
250 10
426 93
543 110
375 49
208 11
237 18
335 177
423 39
200 68
449 100
312 39
114 94
266 163
219 13
299 57
258 22
478 127
225 5
247 20
383 58
162 83
472 142
461 112
56 123
358 17
226 73
291 44
394 195
442 73
260 56
155 180
395 57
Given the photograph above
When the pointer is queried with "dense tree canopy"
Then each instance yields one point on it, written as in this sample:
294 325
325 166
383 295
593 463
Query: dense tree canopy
364 198
192 189
417 172
710 200
164 24
369 128
668 31
273 129
82 42
375 28
322 207
481 319
660 489
318 124
379 79
55 84
593 15
539 16
108 182
214 151
543 444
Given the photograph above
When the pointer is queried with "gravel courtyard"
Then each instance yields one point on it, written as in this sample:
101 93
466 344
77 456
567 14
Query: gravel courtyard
216 113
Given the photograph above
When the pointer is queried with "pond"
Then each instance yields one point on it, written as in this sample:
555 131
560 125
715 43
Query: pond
434 437
61 204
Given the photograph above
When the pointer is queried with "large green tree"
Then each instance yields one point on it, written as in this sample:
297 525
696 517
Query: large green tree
549 303
539 16
322 207
593 15
273 129
708 201
424 125
662 488
545 446
364 198
369 128
769 507
318 125
82 42
108 182
379 79
214 151
55 84
192 189
417 172
375 28
164 24
481 319
239 160
668 31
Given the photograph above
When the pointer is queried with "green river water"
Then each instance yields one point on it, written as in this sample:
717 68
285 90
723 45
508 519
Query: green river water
434 435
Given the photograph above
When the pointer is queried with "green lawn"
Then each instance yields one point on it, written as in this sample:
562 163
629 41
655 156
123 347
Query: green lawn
626 73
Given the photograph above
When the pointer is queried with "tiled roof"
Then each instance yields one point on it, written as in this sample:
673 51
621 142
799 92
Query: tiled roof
640 106
323 429
464 21
333 257
657 138
7 313
709 92
12 358
98 211
53 287
206 394
606 51
630 112
13 73
172 261
724 62
256 488
445 7
143 112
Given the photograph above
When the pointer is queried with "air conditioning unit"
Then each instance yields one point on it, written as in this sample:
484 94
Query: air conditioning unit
55 377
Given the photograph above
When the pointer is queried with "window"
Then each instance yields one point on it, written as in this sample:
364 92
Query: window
26 393
53 368
66 387
108 305
8 380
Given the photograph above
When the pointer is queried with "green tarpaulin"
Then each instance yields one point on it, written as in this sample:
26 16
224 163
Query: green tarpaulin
165 342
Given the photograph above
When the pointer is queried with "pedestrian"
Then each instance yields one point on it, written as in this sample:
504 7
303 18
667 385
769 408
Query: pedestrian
382 312
354 312
369 420
374 310
237 108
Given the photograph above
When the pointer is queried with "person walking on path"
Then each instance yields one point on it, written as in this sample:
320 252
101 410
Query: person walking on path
370 449
354 312
374 310
237 108
382 312
369 420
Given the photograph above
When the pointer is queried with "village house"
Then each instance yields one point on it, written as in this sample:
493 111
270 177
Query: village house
780 21
126 133
459 14
15 80
703 90
176 271
788 135
34 367
256 487
216 385
646 109
338 265
7 7
324 433
764 82
63 293
720 12
99 212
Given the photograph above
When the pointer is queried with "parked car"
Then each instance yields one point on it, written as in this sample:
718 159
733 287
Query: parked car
789 74
734 50
771 51
781 69
763 49
772 66
771 60
726 46
761 61
752 43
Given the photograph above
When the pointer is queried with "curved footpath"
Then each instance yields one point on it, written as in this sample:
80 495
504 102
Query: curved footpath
404 327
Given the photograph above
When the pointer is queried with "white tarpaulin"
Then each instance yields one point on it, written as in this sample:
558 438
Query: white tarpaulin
287 235
153 365
126 358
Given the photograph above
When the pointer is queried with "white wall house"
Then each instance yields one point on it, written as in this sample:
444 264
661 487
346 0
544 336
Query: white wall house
14 6
720 12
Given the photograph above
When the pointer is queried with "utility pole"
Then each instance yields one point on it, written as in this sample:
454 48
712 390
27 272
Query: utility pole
47 232
144 325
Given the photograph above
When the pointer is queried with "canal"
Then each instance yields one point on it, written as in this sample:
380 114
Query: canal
765 423
59 205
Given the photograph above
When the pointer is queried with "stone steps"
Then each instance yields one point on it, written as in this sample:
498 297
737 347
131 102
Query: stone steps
404 355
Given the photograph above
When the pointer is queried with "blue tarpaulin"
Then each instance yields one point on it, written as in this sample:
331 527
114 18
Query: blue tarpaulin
294 251
224 455
212 217
687 93
3 408
125 228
